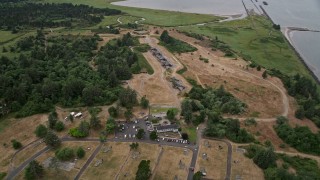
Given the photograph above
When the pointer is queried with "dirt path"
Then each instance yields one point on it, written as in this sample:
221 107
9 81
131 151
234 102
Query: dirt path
156 164
242 74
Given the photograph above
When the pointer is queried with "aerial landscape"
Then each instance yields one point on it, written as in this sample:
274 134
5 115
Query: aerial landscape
160 89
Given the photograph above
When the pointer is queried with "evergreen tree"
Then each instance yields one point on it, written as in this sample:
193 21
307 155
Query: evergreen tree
59 126
265 158
52 119
264 74
80 152
140 133
144 102
52 140
110 125
34 171
41 131
153 135
144 171
171 114
95 122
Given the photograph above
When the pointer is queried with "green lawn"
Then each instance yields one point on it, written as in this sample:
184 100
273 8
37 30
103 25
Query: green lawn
260 43
7 36
191 131
153 17
144 63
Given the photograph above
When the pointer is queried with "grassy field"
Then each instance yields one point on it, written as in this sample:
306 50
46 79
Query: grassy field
153 17
191 131
7 36
255 40
143 63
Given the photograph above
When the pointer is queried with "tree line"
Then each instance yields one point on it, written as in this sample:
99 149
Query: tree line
210 104
15 16
299 137
43 76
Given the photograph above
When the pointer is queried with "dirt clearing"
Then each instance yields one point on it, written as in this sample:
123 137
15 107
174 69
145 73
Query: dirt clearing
212 159
173 163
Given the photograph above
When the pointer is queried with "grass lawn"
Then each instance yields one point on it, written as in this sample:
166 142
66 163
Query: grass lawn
7 36
162 109
259 42
143 63
191 131
153 17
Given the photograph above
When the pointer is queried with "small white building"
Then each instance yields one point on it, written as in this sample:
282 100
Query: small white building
167 128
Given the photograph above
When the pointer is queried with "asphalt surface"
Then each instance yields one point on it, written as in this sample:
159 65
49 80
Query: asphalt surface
85 166
17 170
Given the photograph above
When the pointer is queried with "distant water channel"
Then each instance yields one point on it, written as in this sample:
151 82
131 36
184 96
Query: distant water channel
287 13
217 7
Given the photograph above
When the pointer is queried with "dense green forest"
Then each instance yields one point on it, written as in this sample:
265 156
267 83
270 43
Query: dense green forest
16 16
56 70
266 158
299 137
211 104
175 45
306 94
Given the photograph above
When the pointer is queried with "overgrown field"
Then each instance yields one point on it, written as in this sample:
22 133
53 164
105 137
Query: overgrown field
255 39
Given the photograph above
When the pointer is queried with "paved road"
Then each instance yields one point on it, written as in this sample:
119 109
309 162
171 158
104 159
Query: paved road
85 166
17 170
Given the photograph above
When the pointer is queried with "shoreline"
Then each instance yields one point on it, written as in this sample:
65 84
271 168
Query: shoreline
286 33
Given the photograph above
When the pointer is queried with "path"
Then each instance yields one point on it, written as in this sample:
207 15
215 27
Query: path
85 166
17 170
157 163
119 20
282 91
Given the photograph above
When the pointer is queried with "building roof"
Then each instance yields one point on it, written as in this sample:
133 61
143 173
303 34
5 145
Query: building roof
172 126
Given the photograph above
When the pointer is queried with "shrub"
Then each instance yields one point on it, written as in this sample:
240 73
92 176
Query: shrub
59 126
65 154
41 131
16 144
80 152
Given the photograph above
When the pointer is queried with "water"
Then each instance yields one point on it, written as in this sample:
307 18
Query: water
304 14
308 45
287 13
218 7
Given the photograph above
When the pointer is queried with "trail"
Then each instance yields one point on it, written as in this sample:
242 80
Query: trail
119 20
283 93
157 163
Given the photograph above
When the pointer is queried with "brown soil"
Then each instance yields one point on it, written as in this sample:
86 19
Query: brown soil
245 84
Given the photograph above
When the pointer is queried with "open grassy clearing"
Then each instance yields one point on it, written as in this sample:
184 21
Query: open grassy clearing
261 42
7 36
169 167
216 162
22 131
143 63
191 131
244 167
154 17
112 162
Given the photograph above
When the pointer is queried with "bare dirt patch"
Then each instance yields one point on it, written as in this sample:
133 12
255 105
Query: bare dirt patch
169 165
243 167
215 161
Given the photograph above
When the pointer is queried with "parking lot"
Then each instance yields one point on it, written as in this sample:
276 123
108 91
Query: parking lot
128 130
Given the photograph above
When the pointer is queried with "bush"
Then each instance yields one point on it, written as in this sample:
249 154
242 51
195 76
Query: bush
33 171
16 144
59 126
80 152
41 131
153 135
113 111
81 131
175 45
2 175
65 154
